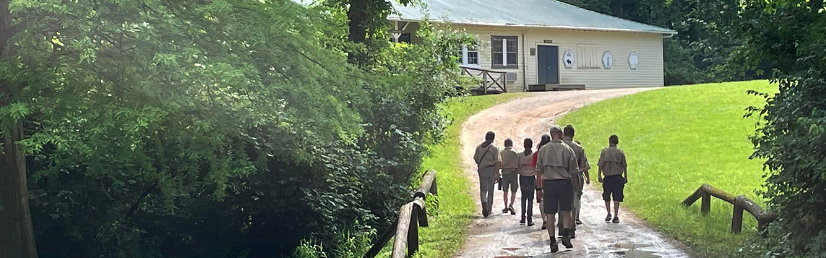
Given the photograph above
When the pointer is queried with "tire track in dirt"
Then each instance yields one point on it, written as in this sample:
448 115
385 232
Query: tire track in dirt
501 235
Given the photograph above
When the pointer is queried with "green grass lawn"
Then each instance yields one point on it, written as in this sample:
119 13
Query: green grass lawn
448 227
676 139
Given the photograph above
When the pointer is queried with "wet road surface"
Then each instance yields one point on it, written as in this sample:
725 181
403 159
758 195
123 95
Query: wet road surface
500 235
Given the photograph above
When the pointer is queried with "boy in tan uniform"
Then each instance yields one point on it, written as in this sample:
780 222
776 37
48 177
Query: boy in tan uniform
556 167
612 163
579 179
487 162
509 181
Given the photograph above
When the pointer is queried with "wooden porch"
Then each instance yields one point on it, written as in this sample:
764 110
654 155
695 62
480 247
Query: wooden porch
555 87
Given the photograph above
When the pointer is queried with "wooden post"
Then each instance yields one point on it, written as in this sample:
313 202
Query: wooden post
400 243
706 204
413 233
737 220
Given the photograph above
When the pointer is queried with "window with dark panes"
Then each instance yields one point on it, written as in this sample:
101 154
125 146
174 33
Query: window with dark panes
405 37
504 51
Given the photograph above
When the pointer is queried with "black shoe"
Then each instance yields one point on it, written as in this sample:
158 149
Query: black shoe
530 224
608 218
505 210
578 222
485 211
522 221
566 240
513 212
554 247
616 220
544 226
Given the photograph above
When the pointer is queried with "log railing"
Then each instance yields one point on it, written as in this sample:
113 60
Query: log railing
488 79
406 228
740 203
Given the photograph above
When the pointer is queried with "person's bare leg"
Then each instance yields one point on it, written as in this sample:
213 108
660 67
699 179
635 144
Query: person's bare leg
513 199
616 208
608 207
565 216
551 229
505 199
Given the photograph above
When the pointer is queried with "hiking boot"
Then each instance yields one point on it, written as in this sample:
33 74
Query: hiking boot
522 221
530 223
544 225
513 212
566 240
608 218
554 247
616 220
578 222
505 210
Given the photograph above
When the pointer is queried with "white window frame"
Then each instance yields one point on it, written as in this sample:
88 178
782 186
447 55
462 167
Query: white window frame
465 54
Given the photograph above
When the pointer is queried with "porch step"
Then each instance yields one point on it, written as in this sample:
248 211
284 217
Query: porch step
555 87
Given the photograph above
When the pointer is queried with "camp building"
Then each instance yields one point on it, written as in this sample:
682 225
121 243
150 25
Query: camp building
543 44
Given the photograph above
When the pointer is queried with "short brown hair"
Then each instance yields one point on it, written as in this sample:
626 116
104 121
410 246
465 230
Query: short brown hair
569 131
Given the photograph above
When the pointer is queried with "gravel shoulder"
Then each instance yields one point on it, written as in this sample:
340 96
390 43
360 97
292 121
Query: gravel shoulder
500 235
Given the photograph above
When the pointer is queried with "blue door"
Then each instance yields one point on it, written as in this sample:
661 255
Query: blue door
548 64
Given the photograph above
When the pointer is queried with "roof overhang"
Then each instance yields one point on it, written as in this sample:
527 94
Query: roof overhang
665 33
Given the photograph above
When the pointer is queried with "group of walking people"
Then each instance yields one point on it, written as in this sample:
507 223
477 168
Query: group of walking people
555 174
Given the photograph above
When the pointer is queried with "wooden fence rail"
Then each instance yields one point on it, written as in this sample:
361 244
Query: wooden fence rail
406 227
740 203
487 79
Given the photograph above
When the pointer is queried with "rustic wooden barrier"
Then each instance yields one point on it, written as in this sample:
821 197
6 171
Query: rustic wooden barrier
487 79
740 203
406 227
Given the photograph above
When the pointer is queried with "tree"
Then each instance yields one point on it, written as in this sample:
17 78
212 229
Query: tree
787 36
213 129
17 239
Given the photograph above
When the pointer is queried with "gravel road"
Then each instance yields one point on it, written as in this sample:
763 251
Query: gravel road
501 235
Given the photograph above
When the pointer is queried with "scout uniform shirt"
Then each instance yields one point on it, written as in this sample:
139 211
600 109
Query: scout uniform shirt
612 161
510 161
556 161
582 159
486 156
526 165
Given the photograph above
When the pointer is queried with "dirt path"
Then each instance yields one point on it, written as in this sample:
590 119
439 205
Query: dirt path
500 235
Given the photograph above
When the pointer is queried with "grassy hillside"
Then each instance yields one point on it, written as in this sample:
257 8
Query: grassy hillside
676 139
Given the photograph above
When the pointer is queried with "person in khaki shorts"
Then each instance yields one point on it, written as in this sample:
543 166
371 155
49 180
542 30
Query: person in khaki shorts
509 181
487 161
580 178
612 163
556 166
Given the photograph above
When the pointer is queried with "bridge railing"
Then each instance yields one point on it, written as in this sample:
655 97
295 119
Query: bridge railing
740 203
406 227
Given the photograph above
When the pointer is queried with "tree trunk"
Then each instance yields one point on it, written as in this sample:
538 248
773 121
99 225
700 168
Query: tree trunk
357 14
16 233
17 239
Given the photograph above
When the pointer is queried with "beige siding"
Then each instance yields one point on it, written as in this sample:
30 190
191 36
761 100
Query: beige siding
648 46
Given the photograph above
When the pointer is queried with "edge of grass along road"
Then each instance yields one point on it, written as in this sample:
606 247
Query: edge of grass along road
456 208
676 139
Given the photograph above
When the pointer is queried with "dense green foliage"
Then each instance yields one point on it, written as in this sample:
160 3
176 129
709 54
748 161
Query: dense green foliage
702 48
677 139
789 36
214 128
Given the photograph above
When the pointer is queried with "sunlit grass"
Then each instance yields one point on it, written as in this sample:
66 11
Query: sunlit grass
676 139
448 228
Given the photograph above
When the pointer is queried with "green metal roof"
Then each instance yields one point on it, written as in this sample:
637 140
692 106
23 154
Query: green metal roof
520 13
